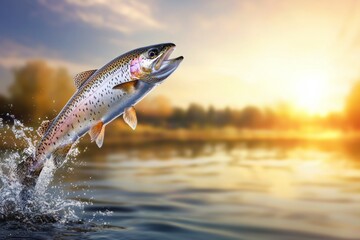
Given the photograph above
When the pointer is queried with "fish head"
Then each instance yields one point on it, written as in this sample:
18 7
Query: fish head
152 65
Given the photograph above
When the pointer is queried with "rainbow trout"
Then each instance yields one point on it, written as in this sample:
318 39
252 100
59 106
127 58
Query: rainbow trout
102 95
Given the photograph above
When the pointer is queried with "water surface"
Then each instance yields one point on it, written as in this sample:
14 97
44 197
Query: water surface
198 190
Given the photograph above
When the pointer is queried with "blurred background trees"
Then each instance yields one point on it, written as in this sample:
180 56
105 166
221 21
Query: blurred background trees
352 107
40 91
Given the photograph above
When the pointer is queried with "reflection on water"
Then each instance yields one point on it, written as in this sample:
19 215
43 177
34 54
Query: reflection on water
239 190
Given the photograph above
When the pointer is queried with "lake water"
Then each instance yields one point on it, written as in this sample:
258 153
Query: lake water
238 190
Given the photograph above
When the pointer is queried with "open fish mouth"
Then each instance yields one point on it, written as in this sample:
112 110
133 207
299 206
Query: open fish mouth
165 56
165 66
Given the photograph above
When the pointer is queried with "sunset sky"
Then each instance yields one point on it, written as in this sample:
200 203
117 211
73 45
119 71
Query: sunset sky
237 53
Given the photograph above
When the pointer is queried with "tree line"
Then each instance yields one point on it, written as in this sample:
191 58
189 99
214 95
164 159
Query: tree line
40 91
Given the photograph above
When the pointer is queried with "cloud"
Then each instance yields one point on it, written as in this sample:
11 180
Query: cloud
13 54
125 16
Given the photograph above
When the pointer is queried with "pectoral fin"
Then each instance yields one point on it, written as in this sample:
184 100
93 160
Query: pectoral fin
80 78
130 117
127 87
59 155
43 127
97 134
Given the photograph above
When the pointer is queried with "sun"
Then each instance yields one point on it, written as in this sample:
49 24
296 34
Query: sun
310 92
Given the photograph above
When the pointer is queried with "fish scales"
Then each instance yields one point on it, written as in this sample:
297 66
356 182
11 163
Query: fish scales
107 93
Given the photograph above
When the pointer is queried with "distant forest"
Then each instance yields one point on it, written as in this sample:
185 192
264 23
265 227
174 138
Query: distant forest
40 91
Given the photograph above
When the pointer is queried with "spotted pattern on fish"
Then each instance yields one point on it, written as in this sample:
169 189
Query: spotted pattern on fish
94 101
118 70
102 95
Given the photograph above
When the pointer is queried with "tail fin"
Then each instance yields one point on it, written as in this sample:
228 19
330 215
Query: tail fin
27 177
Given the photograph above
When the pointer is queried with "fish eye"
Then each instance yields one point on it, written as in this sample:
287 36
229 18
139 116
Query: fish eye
152 53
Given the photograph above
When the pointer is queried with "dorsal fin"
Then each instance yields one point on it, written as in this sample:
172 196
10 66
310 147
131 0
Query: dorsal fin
130 117
80 78
43 127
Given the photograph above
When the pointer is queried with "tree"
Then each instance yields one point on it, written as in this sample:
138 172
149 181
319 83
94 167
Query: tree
4 108
39 91
250 117
211 116
196 115
352 107
177 118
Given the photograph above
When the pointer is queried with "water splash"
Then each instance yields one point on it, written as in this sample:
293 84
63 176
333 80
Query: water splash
46 204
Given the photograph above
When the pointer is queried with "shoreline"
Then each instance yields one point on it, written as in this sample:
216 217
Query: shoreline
120 134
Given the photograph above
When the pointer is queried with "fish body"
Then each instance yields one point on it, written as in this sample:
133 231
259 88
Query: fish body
102 95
